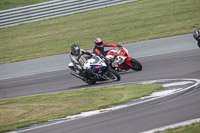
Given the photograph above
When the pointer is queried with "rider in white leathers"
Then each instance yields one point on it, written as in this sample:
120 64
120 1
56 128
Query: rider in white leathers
78 57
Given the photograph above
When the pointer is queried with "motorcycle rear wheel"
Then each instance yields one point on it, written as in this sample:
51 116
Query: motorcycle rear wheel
113 75
136 65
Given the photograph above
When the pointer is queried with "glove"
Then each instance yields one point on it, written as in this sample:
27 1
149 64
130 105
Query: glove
86 52
119 45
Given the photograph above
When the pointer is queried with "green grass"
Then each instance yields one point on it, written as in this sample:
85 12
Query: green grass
131 22
8 4
193 128
24 111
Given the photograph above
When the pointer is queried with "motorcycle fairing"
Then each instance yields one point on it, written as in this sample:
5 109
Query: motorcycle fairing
95 61
98 69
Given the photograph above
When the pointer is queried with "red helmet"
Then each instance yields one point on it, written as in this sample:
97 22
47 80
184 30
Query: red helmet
98 42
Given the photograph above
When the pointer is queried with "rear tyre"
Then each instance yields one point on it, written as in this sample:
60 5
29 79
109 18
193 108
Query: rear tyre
136 65
113 75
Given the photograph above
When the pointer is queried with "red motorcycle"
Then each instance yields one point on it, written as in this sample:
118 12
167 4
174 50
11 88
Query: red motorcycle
119 59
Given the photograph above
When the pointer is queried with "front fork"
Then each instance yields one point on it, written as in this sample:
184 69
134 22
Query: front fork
127 61
126 65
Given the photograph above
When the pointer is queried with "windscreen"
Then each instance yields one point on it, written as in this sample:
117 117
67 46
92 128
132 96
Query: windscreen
117 51
95 59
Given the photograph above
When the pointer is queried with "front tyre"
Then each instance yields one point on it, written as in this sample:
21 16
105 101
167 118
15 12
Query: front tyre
113 75
136 65
90 81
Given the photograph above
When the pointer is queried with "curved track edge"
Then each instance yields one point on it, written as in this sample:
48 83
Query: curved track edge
170 87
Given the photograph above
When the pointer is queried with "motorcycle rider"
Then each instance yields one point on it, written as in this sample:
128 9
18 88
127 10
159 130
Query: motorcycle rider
99 50
99 46
78 57
196 35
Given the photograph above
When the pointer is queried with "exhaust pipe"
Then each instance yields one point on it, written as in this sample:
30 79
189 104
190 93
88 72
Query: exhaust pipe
76 75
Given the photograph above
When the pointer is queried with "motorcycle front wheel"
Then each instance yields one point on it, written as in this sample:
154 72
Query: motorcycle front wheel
90 81
136 65
113 75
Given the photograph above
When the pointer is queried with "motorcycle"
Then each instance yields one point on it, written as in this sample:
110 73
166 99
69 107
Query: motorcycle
96 69
120 60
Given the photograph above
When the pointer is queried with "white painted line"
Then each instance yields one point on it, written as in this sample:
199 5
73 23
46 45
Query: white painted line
184 123
177 83
166 92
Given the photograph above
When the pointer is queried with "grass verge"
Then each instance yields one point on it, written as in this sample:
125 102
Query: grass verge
193 128
24 111
8 4
131 22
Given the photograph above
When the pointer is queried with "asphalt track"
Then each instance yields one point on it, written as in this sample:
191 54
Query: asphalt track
169 110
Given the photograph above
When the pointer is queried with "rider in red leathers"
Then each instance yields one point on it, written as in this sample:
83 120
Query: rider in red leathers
99 46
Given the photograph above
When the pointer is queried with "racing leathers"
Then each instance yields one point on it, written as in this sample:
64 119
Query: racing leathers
99 49
78 61
196 35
